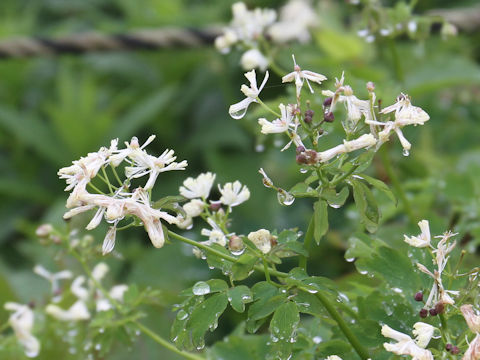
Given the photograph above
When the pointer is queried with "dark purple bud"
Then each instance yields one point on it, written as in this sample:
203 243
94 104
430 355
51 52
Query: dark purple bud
329 117
455 350
433 312
215 206
31 304
307 119
423 313
327 101
309 113
300 149
448 347
301 159
419 296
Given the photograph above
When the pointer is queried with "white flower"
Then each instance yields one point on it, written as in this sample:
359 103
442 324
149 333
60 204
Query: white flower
87 167
254 59
184 222
262 240
238 110
471 317
116 293
78 289
77 312
473 351
109 240
423 333
278 125
295 19
215 235
234 194
194 207
404 345
199 187
99 271
422 240
405 114
53 278
224 42
22 321
249 25
334 357
364 141
299 76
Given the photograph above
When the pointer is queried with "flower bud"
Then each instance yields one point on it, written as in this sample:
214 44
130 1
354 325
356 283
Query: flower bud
433 312
308 119
418 296
235 243
370 86
448 347
327 101
329 117
423 313
300 149
301 159
455 350
309 113
262 240
215 206
44 230
439 308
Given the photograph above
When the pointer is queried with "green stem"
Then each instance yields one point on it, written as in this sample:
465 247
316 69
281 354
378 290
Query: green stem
107 181
352 339
265 270
344 176
153 335
302 263
444 330
116 176
265 106
95 188
397 185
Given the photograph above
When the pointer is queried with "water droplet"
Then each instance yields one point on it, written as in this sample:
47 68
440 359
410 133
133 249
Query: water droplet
285 198
350 259
312 291
303 171
182 315
238 114
137 332
397 290
201 288
363 272
406 152
190 227
101 330
259 148
98 347
238 252
317 339
335 206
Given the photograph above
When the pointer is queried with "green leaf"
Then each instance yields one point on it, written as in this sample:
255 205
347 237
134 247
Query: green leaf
335 199
251 347
205 317
321 220
366 205
218 262
267 298
239 296
380 185
283 329
206 287
244 266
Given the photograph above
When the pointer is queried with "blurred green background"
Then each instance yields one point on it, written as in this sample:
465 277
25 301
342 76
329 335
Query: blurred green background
55 109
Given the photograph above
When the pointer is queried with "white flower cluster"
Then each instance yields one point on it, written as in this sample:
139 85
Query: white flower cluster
22 321
405 345
249 28
198 190
120 202
438 295
87 295
290 119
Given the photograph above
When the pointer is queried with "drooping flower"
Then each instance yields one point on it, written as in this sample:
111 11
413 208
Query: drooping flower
422 240
300 76
473 351
405 345
262 240
364 141
21 320
77 312
234 194
238 110
198 187
279 125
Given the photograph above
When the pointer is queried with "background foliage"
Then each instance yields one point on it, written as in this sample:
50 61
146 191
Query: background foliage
54 110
